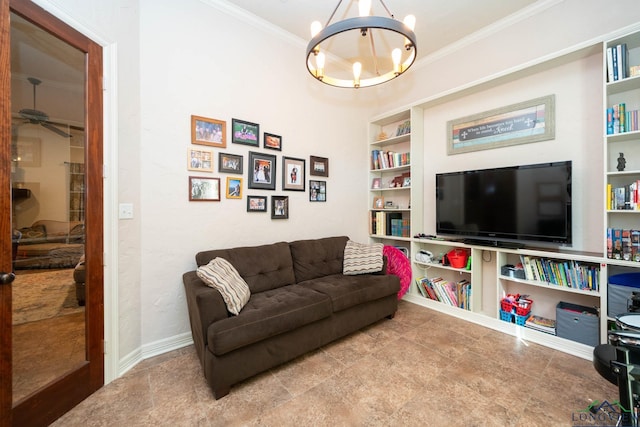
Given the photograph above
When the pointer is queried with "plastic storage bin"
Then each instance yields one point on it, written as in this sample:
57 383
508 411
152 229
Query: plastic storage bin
514 318
619 289
578 323
458 257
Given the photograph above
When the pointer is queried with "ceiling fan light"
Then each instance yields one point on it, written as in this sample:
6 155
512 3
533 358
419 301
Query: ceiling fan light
364 7
357 70
396 56
320 65
409 21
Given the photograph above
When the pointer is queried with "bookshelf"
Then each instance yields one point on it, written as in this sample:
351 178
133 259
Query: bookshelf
395 177
76 184
621 135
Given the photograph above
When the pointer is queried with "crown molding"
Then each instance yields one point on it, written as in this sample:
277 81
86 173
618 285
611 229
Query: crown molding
255 21
509 21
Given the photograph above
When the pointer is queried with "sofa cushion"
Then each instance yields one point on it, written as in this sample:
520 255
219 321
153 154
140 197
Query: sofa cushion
262 267
221 275
267 314
76 234
33 232
348 291
318 257
57 231
361 258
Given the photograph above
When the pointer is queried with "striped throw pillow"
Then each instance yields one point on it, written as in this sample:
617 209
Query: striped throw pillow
360 258
221 275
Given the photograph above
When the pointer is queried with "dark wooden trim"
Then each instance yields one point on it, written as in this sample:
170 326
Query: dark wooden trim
5 216
48 404
94 221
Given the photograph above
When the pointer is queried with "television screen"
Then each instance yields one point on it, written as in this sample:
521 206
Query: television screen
510 204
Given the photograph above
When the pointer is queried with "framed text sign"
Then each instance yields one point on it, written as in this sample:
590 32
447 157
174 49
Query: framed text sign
521 123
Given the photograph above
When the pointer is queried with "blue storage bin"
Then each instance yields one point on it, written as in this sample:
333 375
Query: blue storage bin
619 289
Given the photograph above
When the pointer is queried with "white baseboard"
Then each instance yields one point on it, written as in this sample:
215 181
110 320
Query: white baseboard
153 349
525 334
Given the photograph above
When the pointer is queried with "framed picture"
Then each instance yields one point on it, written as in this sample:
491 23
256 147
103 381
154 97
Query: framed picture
27 151
234 187
317 191
204 189
246 133
271 141
293 174
256 203
279 207
378 202
206 131
230 163
199 160
376 183
318 166
261 172
520 123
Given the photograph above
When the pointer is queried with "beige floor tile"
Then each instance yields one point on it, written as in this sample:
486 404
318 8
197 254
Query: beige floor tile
420 368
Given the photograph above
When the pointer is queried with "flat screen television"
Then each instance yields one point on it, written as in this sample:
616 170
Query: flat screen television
508 206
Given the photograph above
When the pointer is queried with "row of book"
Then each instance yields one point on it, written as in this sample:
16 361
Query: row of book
389 159
623 244
457 294
617 62
400 228
404 128
570 274
389 224
621 120
625 197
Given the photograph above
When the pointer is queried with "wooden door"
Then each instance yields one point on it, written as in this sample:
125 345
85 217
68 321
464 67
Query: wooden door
49 401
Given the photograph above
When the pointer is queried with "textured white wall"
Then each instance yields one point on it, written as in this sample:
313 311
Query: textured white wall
197 60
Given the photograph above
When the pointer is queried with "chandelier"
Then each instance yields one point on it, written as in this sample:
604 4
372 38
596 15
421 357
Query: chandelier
338 57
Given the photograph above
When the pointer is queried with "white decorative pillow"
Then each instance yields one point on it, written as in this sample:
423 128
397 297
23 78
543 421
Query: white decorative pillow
360 258
221 275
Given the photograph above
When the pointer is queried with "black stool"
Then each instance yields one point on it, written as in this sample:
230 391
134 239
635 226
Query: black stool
603 354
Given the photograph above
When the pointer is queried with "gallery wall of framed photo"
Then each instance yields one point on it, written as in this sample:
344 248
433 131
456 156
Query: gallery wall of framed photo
249 163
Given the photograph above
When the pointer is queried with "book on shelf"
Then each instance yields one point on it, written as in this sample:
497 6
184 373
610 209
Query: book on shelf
542 324
625 197
617 62
404 128
457 294
563 273
389 224
623 244
619 119
381 159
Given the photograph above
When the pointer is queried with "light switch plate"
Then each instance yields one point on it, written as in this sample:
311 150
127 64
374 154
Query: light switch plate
126 211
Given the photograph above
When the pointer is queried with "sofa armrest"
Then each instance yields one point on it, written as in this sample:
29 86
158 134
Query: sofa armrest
205 306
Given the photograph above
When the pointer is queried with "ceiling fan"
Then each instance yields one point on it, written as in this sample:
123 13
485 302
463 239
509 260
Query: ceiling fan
38 117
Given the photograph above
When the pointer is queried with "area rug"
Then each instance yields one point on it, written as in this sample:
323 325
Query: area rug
43 294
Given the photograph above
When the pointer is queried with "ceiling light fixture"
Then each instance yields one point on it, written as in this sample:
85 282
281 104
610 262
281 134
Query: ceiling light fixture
329 43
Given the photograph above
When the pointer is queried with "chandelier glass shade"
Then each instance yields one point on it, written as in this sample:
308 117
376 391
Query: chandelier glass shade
345 53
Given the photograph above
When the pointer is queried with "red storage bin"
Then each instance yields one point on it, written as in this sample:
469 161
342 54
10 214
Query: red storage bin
458 258
516 304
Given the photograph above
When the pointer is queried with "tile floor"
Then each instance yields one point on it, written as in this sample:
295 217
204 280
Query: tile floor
421 368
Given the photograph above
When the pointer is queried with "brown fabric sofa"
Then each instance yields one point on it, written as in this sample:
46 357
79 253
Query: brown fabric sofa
300 301
49 244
